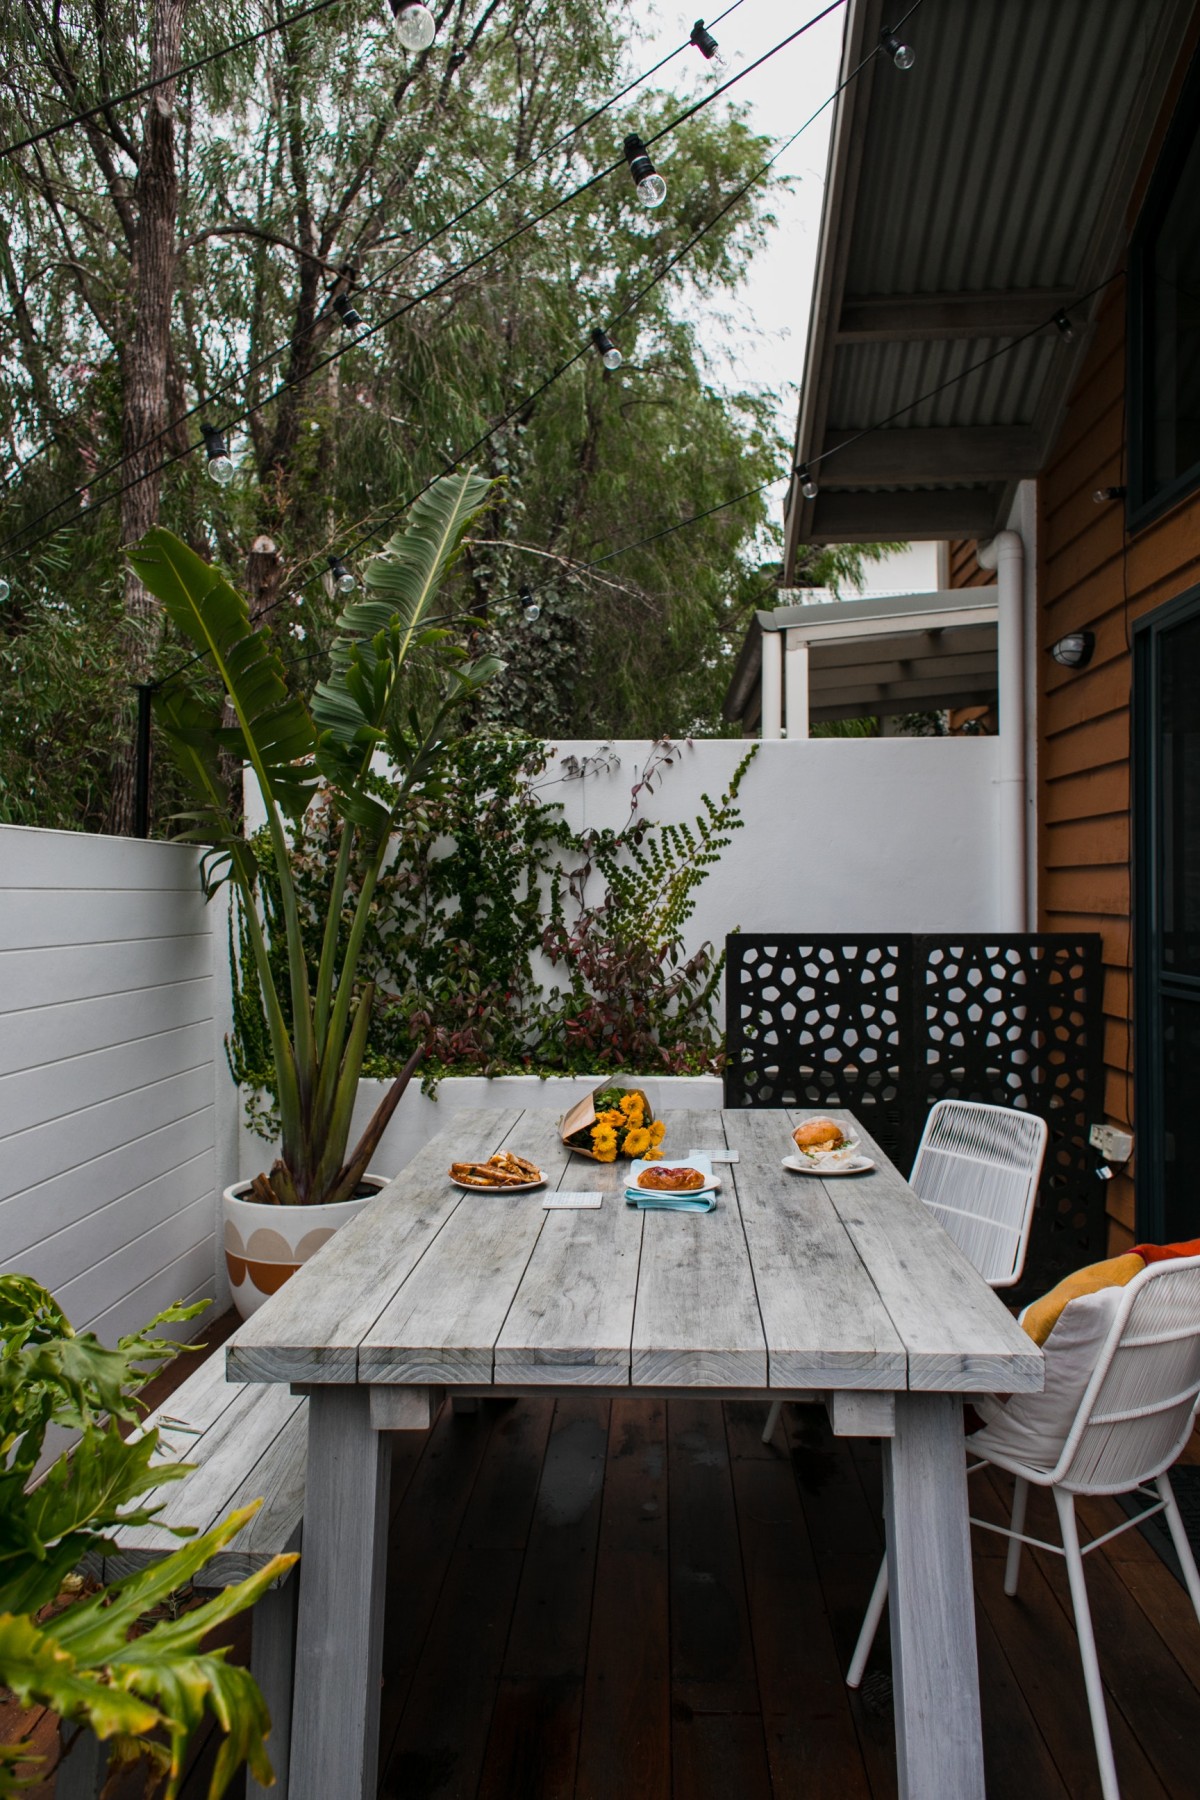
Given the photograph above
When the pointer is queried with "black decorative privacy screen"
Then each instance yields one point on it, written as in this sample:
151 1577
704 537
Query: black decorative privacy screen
889 1025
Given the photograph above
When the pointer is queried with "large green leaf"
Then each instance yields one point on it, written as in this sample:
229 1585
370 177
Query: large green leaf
273 732
376 632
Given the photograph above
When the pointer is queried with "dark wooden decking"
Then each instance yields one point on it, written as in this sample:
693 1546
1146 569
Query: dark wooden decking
639 1601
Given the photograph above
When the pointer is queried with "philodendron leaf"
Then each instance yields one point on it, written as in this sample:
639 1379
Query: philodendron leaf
40 1671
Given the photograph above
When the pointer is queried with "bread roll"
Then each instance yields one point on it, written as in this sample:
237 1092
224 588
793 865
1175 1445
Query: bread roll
819 1134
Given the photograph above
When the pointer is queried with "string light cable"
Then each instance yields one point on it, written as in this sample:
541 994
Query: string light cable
528 224
341 302
148 87
592 344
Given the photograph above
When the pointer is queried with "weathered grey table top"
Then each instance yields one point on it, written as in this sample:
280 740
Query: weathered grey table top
793 1283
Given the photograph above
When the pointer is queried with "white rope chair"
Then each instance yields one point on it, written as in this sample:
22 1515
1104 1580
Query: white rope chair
1131 1425
977 1170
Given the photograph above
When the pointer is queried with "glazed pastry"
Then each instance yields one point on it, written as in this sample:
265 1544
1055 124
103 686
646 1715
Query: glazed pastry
670 1181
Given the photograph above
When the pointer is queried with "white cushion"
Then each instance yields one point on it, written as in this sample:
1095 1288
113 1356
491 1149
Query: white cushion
1032 1428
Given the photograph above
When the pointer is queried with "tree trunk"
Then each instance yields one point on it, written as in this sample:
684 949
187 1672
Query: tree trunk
145 372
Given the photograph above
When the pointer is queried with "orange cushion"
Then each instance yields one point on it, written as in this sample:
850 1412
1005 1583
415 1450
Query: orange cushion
1042 1316
1152 1253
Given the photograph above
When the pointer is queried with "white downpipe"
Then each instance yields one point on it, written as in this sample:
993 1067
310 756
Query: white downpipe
1006 555
772 684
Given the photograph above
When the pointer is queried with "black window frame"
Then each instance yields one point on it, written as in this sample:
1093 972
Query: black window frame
1143 506
1145 896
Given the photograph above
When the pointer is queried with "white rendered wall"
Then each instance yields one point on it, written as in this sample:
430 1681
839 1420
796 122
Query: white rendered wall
108 1074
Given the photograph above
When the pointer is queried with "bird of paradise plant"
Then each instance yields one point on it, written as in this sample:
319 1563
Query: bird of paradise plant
396 682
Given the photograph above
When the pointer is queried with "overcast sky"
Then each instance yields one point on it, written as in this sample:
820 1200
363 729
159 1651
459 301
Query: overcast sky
770 320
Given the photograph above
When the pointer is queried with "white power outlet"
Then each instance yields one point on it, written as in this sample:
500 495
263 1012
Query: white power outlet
1114 1145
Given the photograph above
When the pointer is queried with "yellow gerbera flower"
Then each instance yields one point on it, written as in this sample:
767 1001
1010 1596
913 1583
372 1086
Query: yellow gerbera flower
611 1117
604 1135
606 1154
633 1108
652 1156
636 1142
658 1131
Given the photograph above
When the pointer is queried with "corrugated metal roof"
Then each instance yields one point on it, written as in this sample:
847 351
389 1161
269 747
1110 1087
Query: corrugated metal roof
968 199
984 164
870 381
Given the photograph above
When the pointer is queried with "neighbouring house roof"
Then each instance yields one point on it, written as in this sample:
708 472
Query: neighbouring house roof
967 200
878 655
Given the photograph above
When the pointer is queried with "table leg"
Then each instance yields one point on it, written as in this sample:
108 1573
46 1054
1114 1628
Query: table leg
339 1651
935 1671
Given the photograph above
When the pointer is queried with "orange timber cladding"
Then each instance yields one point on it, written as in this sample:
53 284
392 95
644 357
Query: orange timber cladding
1091 575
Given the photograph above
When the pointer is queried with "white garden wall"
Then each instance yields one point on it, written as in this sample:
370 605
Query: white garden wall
108 1073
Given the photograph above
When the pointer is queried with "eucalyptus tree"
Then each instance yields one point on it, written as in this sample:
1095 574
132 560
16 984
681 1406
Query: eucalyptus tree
188 256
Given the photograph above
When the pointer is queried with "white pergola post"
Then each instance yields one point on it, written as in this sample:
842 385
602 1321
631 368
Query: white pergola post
772 685
795 680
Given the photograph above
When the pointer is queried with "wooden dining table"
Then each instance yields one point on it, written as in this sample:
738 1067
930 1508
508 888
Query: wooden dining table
795 1286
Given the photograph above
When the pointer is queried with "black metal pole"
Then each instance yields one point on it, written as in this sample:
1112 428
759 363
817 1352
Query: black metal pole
141 779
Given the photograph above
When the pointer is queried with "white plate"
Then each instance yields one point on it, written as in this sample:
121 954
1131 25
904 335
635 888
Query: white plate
699 1161
632 1191
804 1165
516 1187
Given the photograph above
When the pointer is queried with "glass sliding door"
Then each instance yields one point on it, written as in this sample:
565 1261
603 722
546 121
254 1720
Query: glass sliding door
1166 819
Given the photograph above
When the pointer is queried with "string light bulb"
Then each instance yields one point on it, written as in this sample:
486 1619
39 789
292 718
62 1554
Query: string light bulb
347 312
220 463
415 25
651 188
708 47
1065 327
808 482
903 55
343 581
5 590
607 351
529 605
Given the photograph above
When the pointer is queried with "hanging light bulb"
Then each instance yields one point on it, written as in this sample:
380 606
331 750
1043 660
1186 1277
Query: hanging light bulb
343 581
651 188
529 605
220 463
5 590
808 482
347 312
1065 327
903 55
708 47
415 25
607 351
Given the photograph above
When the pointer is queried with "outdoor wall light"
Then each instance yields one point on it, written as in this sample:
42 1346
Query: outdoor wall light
1108 493
347 312
808 481
529 605
1065 327
220 464
414 24
607 351
1075 650
343 581
903 55
651 188
708 47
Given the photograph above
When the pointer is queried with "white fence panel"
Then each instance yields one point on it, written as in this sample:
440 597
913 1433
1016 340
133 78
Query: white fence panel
108 1044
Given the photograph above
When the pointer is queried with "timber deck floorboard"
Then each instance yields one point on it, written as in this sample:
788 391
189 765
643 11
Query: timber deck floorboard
638 1600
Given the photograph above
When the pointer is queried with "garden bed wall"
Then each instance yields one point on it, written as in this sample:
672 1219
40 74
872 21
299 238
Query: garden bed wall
111 1012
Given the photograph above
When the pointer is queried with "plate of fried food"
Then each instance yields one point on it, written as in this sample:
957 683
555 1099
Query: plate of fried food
502 1173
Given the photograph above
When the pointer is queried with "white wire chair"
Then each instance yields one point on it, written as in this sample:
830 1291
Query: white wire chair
977 1170
1131 1425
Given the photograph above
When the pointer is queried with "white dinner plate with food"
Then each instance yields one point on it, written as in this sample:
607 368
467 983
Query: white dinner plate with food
800 1164
502 1173
673 1175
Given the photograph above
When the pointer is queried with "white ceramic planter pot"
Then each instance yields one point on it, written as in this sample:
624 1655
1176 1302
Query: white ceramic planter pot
265 1245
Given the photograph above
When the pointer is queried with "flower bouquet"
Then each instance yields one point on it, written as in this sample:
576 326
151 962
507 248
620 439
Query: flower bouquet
614 1122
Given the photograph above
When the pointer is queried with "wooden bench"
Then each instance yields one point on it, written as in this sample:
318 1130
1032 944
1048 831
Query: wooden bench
247 1443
